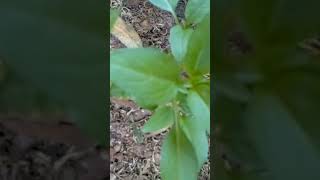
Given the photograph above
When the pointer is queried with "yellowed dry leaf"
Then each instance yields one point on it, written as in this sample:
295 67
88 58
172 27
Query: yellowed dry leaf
126 34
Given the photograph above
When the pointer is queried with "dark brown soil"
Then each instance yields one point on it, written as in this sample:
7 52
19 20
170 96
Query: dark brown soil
33 150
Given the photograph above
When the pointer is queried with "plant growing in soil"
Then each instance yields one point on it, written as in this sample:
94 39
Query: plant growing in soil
176 86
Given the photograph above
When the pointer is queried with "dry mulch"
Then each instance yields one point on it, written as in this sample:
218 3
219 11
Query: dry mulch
134 155
152 24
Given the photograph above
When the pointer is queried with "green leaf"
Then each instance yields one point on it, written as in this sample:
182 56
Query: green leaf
234 154
204 92
286 21
232 88
115 91
300 92
179 39
178 159
197 137
199 109
168 5
162 118
284 146
3 71
146 74
61 53
114 14
88 16
265 139
198 55
224 15
18 96
196 10
219 171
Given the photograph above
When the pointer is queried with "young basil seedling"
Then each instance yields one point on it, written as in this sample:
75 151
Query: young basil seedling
176 87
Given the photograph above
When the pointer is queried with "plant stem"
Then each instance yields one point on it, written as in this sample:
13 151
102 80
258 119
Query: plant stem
176 18
175 107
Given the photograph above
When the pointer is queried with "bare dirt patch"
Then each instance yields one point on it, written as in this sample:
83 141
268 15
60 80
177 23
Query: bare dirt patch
39 150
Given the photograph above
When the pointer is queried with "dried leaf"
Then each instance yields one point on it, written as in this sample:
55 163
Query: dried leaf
126 34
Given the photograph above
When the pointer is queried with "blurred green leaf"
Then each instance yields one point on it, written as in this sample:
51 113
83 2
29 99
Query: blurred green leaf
179 39
266 141
146 74
224 15
3 71
234 155
196 10
162 118
232 88
286 21
59 47
83 15
284 146
19 97
266 105
300 92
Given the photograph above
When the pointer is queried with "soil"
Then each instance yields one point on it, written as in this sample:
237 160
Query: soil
152 24
47 150
134 155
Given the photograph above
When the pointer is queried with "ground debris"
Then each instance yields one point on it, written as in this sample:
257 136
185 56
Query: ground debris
151 23
131 158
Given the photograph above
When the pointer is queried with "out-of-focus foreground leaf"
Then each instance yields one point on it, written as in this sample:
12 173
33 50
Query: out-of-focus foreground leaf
271 131
283 144
280 21
59 47
266 140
